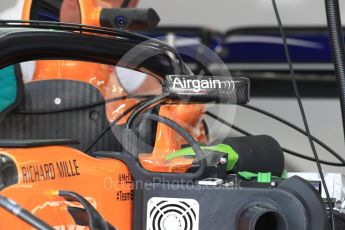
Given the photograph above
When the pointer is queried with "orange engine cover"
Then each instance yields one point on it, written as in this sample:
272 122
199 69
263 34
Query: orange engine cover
105 183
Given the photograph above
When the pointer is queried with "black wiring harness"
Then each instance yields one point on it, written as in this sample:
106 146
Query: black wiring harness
172 124
286 150
304 118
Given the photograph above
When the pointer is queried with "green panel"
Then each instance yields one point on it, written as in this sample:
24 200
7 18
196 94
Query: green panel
8 87
223 148
247 175
262 177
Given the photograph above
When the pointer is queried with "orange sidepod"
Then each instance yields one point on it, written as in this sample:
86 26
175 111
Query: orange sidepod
105 183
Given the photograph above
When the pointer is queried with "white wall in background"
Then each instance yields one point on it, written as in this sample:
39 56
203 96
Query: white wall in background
220 14
225 14
11 9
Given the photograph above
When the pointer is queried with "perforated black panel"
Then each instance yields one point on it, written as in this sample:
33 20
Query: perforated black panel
60 109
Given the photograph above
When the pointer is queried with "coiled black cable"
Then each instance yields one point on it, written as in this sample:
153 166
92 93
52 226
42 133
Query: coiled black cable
338 51
300 105
144 106
166 121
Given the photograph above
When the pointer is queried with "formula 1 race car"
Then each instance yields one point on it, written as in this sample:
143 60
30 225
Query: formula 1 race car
67 164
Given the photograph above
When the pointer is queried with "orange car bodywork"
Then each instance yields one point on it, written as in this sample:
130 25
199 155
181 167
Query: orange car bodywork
167 140
90 10
105 183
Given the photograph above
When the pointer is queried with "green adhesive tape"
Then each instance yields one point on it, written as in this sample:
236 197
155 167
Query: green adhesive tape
222 148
